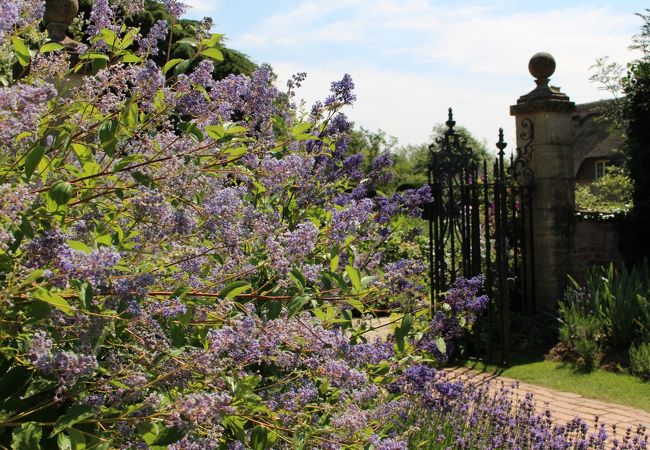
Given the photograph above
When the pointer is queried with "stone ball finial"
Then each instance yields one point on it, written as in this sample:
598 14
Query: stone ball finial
541 65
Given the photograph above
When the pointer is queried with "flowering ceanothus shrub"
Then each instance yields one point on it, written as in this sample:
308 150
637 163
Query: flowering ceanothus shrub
182 257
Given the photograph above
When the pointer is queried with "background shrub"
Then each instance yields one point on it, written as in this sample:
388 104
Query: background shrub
640 360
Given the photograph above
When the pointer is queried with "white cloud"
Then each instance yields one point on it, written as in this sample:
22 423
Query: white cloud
207 8
411 60
408 105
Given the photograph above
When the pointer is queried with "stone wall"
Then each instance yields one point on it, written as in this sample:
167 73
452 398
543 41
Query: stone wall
595 244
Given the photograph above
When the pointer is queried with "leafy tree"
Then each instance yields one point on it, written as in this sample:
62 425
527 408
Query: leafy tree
370 144
611 193
412 161
233 62
630 115
636 86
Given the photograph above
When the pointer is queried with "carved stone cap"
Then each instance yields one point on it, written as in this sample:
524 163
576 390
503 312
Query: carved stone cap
542 66
530 106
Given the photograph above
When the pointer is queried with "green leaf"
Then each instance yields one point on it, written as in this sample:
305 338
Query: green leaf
213 53
182 67
105 239
77 439
75 414
334 263
21 51
53 299
107 137
82 151
355 277
300 439
170 64
441 344
128 39
296 304
236 426
33 276
27 437
61 192
407 323
168 435
366 281
107 35
38 386
131 58
216 132
180 292
274 308
142 178
26 227
98 64
212 40
130 115
236 129
234 289
91 168
96 56
63 442
298 279
236 152
402 331
86 294
51 47
148 431
33 159
300 129
259 437
192 130
188 41
78 245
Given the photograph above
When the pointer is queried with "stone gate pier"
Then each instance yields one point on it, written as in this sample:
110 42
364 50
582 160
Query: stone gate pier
544 134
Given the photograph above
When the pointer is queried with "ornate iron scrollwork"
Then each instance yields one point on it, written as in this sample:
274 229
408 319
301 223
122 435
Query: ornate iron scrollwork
453 156
520 169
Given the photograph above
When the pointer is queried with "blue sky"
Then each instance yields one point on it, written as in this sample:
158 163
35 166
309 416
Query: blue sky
412 59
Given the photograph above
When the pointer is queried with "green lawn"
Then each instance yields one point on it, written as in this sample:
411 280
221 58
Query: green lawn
601 385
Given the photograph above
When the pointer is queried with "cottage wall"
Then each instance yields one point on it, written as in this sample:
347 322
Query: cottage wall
595 244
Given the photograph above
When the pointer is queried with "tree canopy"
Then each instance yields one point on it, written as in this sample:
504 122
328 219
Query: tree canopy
234 62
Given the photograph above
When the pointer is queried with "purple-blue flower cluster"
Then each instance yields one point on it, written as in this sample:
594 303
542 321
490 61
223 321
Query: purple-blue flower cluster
66 366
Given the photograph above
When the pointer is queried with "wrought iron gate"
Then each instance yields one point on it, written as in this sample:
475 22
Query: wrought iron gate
480 221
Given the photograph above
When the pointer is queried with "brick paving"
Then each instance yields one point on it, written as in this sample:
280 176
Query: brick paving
565 405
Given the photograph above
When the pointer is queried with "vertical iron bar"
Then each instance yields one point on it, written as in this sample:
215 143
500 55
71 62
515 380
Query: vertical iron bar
476 225
488 259
430 218
502 213
532 248
452 234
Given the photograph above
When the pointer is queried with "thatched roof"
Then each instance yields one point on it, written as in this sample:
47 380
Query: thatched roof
591 138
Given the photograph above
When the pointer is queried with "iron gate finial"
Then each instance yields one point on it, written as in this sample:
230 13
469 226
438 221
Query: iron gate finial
450 122
501 145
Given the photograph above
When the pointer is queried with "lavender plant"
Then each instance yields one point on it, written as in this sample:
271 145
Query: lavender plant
446 413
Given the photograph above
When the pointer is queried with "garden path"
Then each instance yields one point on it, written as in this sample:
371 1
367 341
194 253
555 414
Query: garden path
565 406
